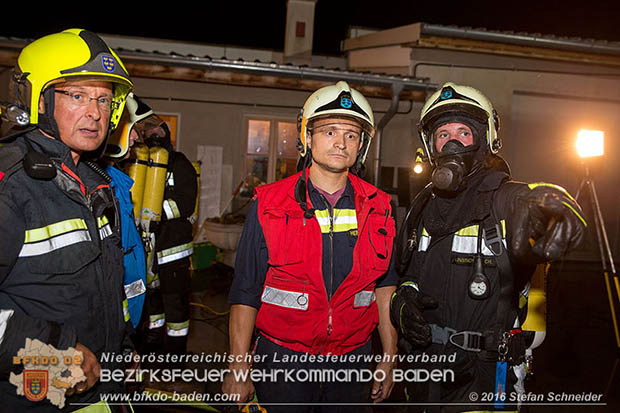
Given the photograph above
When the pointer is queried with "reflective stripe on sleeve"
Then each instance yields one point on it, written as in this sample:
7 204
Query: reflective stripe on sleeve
171 209
126 310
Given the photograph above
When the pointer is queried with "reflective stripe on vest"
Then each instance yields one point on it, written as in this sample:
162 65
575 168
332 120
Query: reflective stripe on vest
157 320
283 298
465 240
171 209
364 298
104 227
175 253
61 234
177 329
134 289
344 220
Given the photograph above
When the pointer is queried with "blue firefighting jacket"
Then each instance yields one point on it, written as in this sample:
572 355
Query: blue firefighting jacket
134 261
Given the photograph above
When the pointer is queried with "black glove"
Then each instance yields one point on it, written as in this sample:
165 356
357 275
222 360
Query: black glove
406 309
548 215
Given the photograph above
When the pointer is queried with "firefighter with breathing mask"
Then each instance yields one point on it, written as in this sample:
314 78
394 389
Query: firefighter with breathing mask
466 252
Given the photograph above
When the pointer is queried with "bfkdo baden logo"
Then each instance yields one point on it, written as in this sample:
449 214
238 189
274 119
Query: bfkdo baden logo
35 384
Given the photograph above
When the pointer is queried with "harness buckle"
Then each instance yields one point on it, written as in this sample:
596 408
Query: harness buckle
472 340
441 335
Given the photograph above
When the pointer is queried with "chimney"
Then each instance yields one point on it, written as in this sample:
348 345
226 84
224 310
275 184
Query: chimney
299 31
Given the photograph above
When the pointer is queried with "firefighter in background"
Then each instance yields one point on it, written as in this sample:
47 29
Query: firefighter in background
117 150
60 255
469 246
167 306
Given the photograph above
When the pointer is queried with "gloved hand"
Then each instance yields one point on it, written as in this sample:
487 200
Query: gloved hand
550 217
406 309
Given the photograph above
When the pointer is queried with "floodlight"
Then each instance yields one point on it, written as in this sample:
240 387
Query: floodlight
590 143
418 168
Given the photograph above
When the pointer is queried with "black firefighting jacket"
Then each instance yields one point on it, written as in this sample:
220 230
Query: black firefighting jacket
442 263
173 237
61 275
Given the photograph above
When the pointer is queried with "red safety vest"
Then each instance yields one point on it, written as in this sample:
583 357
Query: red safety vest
295 312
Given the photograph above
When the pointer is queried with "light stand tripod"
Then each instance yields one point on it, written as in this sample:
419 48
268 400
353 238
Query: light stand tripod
606 259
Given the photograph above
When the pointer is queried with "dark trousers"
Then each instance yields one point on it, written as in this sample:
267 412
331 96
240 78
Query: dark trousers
171 299
301 394
473 382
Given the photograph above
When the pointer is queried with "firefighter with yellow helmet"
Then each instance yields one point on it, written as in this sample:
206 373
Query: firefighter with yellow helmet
125 183
467 251
313 270
60 256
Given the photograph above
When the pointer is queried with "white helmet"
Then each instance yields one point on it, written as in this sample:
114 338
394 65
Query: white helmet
337 100
458 100
136 110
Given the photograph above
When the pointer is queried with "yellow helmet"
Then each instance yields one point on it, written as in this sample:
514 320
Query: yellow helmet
136 111
458 100
67 55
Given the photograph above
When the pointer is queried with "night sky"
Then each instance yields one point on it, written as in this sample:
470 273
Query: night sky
260 23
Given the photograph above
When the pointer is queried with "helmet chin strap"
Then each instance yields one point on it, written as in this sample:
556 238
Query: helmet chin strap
301 188
47 123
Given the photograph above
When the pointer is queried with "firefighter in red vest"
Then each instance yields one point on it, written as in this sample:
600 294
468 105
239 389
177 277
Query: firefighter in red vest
314 272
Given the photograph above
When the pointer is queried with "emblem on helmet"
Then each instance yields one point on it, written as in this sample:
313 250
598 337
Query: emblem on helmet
446 94
108 63
346 102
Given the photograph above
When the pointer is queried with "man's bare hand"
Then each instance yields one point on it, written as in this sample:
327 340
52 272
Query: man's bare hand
90 366
381 389
243 388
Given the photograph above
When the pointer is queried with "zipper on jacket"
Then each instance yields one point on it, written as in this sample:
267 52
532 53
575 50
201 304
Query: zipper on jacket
331 277
331 247
329 322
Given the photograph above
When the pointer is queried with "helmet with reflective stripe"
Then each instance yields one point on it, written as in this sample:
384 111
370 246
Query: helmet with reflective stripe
337 100
137 110
460 102
72 54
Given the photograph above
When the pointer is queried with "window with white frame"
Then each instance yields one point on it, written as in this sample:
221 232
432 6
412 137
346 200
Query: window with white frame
271 152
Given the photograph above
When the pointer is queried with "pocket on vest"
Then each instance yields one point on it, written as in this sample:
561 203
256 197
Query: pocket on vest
284 234
381 233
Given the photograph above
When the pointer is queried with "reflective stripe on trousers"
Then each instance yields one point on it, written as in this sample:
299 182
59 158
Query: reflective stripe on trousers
175 253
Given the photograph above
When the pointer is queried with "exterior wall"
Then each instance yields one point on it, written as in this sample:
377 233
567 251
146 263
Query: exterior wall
542 107
206 119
